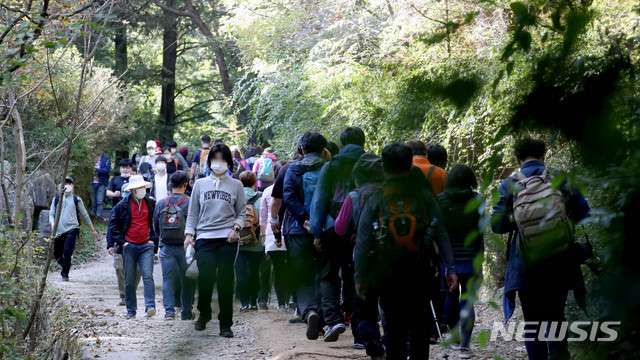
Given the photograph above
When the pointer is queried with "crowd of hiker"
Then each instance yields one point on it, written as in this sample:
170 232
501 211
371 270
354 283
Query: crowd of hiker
383 244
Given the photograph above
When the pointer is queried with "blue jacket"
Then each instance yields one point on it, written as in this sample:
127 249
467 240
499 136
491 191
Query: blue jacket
104 170
292 193
561 272
334 184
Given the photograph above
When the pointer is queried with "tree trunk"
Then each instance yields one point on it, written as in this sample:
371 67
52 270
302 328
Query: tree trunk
167 118
120 42
21 162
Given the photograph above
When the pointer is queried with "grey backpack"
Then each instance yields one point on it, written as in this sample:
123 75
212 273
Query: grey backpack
541 216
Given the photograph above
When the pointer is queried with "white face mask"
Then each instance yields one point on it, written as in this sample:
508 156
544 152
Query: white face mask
140 193
68 188
173 151
151 152
161 166
218 167
124 174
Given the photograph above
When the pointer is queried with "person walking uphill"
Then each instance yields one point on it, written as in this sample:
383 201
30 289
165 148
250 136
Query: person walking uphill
216 216
397 226
299 185
100 181
68 226
542 265
434 174
131 227
334 184
169 220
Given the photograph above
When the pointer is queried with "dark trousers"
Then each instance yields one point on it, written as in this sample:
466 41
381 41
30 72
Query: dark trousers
63 247
335 256
265 280
365 327
248 274
281 275
304 266
459 310
215 264
544 306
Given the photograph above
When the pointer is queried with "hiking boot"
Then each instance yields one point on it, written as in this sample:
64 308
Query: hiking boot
296 319
169 317
151 312
65 278
465 353
226 332
333 332
358 346
130 316
253 307
313 327
201 323
281 308
263 306
244 308
122 303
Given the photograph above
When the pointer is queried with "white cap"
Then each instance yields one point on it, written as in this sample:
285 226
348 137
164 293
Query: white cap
137 181
152 144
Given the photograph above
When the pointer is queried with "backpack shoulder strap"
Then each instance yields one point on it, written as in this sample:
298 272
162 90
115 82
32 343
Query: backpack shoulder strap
430 172
519 176
181 200
75 202
254 198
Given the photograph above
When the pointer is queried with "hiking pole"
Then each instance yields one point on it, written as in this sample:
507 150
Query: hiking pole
435 320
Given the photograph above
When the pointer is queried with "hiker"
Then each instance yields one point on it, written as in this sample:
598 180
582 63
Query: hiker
541 275
299 184
169 220
199 161
368 176
398 224
102 168
334 184
264 168
152 155
251 253
434 174
184 152
176 155
131 227
216 215
114 189
460 223
172 163
437 155
276 251
161 185
251 157
117 257
68 226
136 160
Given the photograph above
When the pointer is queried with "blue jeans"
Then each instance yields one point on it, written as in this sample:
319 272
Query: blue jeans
174 269
97 198
544 305
135 255
459 311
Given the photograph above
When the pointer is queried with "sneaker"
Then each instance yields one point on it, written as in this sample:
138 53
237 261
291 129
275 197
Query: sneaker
190 317
170 317
263 306
333 332
281 308
150 312
65 278
253 307
122 303
313 327
244 308
130 316
296 319
358 346
201 323
465 353
226 332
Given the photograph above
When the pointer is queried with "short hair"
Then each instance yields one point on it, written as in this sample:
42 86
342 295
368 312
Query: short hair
161 159
248 178
126 163
352 135
217 141
417 147
333 148
172 144
205 139
166 148
462 177
312 142
178 179
529 148
437 155
226 154
397 158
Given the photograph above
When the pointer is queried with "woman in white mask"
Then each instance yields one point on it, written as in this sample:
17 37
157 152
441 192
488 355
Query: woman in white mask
152 154
161 180
216 215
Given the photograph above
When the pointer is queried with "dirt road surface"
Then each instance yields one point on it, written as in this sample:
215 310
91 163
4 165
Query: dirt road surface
92 294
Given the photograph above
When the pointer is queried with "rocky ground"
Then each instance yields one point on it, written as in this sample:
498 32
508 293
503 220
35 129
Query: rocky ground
92 295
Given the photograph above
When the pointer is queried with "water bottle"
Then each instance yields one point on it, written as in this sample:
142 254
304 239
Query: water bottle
191 254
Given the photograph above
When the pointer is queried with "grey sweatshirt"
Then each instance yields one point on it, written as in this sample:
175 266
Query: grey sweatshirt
213 212
68 216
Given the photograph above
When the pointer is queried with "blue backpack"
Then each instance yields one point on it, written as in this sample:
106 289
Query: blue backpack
265 173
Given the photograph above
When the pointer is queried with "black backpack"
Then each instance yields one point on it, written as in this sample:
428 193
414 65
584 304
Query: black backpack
172 223
56 200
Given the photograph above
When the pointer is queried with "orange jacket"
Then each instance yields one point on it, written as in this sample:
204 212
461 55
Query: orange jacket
437 177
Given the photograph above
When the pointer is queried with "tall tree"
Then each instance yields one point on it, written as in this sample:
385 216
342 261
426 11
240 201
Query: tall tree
168 76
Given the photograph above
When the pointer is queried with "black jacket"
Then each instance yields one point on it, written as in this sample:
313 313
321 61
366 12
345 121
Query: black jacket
460 223
120 221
